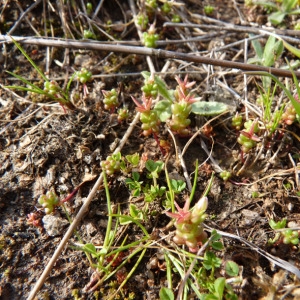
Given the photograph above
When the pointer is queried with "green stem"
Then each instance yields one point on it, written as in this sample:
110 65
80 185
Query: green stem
195 182
209 185
109 222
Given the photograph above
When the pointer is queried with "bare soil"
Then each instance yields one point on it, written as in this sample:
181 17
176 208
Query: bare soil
44 146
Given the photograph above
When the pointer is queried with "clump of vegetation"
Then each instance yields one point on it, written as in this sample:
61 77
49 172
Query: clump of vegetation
283 235
49 201
248 138
51 89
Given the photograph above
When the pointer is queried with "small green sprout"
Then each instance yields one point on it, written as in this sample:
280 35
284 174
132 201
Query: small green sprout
150 87
287 236
150 37
209 10
134 184
177 185
88 34
89 8
52 90
247 138
263 56
123 114
289 115
153 192
52 87
225 175
84 75
166 8
290 236
49 201
142 21
176 18
110 99
151 3
237 121
135 212
297 26
133 159
181 107
148 117
154 167
189 229
284 8
112 164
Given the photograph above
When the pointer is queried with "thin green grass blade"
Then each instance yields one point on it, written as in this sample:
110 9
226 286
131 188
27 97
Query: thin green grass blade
69 83
257 47
291 48
195 182
129 274
294 102
38 90
134 221
30 60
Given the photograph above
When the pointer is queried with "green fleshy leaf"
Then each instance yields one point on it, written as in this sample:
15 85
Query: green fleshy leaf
166 294
231 268
273 50
219 286
163 109
257 48
208 108
161 86
277 17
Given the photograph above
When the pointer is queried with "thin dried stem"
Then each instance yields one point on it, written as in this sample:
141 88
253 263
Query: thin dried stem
61 43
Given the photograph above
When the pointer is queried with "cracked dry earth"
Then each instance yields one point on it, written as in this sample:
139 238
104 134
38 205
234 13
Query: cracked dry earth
45 147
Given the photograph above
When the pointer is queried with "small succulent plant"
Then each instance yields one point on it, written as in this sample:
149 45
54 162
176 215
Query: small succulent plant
112 164
247 138
110 99
84 75
189 228
148 117
49 201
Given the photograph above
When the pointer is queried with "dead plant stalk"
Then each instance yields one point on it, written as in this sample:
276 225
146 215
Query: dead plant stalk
159 53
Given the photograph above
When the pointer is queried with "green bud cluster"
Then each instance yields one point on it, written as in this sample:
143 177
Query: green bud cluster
176 18
189 227
236 122
290 237
208 10
84 75
150 39
150 88
166 8
112 164
150 121
246 142
142 20
225 175
179 121
289 115
110 99
49 201
123 114
181 107
247 138
88 34
51 87
151 3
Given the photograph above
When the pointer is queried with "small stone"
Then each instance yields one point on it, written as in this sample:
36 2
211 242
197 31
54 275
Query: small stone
54 224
